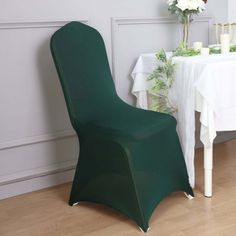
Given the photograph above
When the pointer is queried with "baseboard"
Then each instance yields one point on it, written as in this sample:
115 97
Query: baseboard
36 179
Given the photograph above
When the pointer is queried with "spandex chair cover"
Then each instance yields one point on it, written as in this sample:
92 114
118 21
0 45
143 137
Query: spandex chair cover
130 158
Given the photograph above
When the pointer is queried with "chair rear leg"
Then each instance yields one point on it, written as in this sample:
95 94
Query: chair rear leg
74 195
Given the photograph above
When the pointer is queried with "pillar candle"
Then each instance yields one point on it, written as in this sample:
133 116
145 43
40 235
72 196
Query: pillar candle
225 43
217 33
205 51
197 46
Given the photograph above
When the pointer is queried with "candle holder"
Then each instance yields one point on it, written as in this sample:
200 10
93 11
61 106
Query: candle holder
227 28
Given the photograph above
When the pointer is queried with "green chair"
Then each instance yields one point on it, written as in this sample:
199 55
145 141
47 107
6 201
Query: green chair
130 159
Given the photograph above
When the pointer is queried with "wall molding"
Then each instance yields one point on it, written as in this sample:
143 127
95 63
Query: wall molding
37 139
36 179
118 22
37 23
39 172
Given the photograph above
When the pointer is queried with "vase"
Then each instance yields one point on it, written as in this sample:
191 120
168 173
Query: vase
186 24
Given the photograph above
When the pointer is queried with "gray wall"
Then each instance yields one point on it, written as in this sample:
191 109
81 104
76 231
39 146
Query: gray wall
231 10
38 147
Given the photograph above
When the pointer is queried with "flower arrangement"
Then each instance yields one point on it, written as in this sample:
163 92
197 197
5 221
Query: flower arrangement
186 6
185 9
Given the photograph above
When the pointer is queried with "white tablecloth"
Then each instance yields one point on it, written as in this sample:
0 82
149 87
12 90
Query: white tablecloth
203 83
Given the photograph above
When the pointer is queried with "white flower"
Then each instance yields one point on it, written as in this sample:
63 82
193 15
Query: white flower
197 5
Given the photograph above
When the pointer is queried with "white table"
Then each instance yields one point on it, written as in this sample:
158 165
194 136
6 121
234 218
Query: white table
206 84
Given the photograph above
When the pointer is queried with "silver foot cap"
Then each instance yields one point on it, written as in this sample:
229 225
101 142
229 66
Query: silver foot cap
190 197
142 229
75 204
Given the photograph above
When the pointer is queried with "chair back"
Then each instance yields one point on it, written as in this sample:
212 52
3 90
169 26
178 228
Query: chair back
80 57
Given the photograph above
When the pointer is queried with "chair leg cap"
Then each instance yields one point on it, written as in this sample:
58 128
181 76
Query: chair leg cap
76 203
142 229
190 197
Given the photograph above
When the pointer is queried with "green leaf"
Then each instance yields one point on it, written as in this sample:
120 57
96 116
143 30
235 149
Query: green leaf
181 51
163 77
161 55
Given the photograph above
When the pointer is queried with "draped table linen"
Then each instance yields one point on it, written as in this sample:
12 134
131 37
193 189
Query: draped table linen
206 84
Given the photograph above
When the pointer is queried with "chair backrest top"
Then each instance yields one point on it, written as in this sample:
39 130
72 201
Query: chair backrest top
80 57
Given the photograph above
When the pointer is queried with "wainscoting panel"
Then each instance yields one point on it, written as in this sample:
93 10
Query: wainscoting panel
33 103
38 147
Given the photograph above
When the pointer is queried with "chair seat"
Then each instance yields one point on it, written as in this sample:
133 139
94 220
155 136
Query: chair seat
133 123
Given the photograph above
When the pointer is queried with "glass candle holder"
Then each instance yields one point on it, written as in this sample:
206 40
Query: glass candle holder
227 28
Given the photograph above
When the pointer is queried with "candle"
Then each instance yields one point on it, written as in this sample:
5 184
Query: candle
205 51
222 28
230 31
225 43
217 33
197 46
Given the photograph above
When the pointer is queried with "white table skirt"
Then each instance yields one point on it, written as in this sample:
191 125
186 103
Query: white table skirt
203 83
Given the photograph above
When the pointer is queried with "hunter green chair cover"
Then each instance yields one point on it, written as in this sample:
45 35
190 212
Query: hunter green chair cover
130 159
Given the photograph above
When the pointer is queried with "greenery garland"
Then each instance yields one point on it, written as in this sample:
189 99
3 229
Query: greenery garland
164 76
